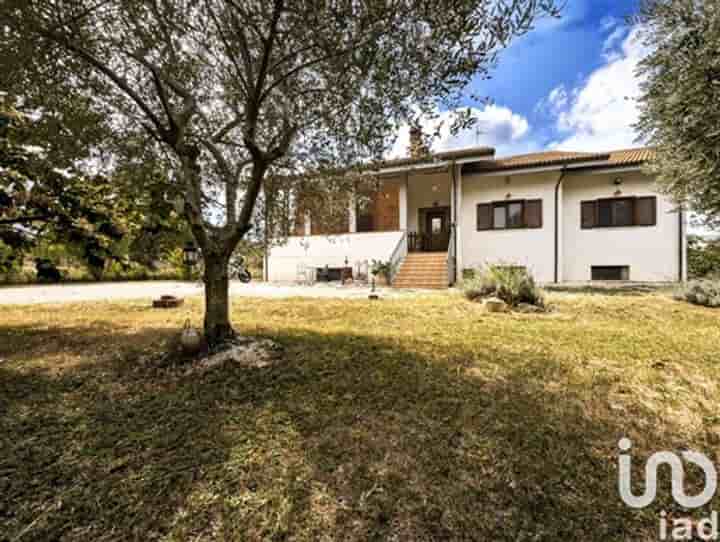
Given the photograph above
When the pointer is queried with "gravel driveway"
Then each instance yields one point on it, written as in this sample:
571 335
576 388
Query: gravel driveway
70 293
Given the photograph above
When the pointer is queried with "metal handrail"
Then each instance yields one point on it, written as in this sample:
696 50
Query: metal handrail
398 256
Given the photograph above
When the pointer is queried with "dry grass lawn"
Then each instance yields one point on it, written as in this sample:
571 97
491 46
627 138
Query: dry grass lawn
414 419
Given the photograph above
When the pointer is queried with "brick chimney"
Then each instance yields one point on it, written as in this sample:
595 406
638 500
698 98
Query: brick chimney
418 147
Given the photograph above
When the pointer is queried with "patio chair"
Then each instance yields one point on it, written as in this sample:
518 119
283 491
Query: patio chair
361 270
305 274
301 273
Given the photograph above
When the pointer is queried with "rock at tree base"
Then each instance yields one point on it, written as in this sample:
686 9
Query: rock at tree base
246 352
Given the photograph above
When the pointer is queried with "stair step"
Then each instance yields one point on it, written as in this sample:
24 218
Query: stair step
423 271
421 285
420 274
422 280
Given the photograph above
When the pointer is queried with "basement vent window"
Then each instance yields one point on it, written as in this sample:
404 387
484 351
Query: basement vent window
610 272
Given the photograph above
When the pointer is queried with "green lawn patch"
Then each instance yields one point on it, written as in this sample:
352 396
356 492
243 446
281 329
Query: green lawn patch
408 419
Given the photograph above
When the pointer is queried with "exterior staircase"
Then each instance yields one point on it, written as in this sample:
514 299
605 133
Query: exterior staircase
423 270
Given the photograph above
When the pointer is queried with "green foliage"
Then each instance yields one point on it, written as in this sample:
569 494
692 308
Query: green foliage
703 292
703 257
680 102
512 284
385 269
99 219
11 261
40 201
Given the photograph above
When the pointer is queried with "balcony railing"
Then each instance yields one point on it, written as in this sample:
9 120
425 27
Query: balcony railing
425 242
398 255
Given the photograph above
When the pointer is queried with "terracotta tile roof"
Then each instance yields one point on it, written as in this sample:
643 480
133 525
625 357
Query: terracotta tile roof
547 158
632 156
468 152
558 158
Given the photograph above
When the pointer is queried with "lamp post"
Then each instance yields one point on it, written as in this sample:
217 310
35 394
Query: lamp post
190 257
373 293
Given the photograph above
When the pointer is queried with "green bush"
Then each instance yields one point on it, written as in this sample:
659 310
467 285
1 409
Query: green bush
11 262
385 269
703 257
513 284
701 292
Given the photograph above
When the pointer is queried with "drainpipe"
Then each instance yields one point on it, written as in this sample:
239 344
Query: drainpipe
557 224
681 245
454 218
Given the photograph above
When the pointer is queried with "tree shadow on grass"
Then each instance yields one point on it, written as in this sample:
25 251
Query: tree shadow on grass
350 437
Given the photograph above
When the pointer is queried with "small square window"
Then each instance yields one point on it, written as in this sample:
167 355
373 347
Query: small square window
610 272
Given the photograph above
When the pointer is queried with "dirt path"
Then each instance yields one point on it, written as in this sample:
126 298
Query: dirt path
103 291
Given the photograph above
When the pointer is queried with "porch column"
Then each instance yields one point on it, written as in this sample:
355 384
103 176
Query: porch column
402 203
458 223
352 213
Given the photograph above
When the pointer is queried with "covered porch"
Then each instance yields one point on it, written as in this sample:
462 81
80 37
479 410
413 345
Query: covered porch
419 203
407 213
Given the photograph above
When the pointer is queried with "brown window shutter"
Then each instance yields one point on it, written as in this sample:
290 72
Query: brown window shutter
484 216
646 211
589 214
533 213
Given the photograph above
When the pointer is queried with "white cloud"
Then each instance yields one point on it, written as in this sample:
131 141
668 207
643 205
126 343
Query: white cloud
600 112
555 102
608 22
610 45
496 126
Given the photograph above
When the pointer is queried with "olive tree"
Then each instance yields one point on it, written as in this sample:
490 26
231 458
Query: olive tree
228 91
680 102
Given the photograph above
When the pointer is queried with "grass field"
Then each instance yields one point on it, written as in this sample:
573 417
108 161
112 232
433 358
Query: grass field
414 419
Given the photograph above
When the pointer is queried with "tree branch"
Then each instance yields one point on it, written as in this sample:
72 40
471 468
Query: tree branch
24 219
119 81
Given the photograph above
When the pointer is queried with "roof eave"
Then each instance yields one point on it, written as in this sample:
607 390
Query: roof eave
573 166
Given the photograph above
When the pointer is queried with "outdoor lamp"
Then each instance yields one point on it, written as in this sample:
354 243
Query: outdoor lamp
190 254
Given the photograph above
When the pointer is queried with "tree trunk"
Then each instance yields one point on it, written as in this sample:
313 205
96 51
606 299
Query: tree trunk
217 299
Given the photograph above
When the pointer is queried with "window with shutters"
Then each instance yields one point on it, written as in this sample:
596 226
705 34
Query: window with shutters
484 216
646 211
619 212
516 214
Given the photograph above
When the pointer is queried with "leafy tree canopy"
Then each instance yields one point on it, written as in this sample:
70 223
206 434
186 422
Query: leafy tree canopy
680 105
48 192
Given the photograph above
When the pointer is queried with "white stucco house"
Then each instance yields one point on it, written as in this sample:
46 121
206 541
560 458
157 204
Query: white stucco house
565 216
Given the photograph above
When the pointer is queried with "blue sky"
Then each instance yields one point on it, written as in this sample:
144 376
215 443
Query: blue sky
562 51
569 84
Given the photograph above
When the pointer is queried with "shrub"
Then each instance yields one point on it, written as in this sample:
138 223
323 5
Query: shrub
385 269
514 285
701 292
703 257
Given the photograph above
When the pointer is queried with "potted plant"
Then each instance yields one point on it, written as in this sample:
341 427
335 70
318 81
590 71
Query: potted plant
382 271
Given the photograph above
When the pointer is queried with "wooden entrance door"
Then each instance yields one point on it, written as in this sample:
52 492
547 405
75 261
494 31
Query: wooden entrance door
437 229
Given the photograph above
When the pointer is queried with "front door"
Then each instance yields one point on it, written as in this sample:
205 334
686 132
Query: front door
437 229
